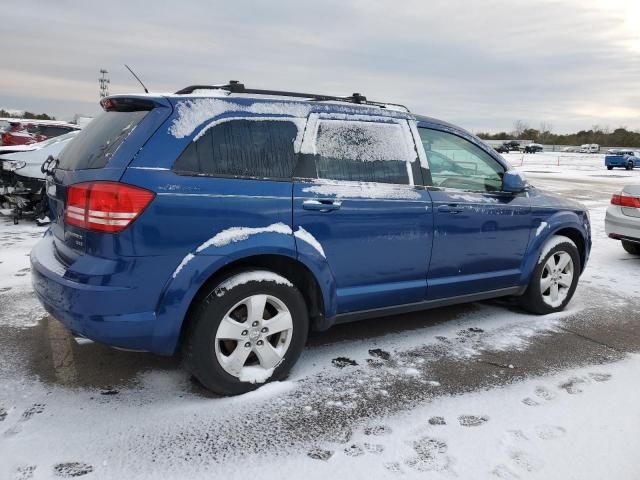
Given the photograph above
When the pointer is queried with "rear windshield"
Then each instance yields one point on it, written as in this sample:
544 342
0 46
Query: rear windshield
94 146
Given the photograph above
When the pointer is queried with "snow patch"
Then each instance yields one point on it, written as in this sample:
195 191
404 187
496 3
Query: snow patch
305 236
541 227
252 276
363 141
553 242
347 189
473 198
193 113
183 263
255 374
237 234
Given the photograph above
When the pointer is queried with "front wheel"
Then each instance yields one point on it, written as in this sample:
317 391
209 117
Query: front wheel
609 168
630 247
629 166
555 278
248 330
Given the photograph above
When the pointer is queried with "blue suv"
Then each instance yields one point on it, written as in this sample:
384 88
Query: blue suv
227 222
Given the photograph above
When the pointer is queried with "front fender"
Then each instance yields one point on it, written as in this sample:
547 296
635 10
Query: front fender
547 229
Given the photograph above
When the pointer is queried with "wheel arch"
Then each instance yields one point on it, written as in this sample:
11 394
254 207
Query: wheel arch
291 268
576 236
567 224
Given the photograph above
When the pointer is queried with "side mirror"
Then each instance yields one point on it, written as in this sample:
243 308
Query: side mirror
514 182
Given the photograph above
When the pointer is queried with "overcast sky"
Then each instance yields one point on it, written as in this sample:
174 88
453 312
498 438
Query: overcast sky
480 64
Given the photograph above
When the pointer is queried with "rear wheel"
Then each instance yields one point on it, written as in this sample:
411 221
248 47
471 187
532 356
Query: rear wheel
630 247
609 168
248 330
555 278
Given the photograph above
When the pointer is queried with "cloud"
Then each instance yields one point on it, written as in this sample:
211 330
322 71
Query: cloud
479 64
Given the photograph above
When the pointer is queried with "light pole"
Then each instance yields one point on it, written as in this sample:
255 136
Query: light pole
104 81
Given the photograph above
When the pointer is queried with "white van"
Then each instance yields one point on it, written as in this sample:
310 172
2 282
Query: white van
590 148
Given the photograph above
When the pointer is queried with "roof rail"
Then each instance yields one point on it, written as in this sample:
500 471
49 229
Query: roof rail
234 86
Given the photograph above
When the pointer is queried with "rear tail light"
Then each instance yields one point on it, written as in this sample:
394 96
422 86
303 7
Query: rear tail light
625 200
105 206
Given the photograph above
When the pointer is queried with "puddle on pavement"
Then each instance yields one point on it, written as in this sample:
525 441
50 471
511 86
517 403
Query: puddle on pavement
49 351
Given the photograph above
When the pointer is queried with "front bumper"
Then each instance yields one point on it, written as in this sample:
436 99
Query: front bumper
109 314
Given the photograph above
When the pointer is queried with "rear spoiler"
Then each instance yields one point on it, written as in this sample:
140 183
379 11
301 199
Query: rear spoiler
125 104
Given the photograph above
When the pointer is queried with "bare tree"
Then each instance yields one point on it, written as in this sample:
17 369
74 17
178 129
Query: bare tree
519 126
545 131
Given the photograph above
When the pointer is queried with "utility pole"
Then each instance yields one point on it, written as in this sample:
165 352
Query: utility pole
104 81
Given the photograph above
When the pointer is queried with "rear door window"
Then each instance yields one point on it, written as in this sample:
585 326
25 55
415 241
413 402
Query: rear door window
243 148
362 151
96 144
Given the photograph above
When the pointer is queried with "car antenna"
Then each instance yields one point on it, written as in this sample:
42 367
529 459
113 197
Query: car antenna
136 77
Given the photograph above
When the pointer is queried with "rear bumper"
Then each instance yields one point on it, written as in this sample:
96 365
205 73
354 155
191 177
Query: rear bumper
619 225
103 313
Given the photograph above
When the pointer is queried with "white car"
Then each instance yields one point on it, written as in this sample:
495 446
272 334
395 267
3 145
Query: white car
622 221
27 162
21 178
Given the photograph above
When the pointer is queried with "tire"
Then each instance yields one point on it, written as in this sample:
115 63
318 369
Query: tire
609 168
629 166
540 300
630 247
223 322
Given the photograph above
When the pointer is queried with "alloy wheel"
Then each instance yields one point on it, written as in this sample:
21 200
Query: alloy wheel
253 337
556 279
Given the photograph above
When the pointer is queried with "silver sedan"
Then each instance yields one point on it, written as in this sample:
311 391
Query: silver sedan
623 218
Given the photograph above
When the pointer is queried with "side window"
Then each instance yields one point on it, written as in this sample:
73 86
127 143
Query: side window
242 148
457 163
362 151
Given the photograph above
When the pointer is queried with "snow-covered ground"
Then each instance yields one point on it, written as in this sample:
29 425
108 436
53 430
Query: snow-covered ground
477 391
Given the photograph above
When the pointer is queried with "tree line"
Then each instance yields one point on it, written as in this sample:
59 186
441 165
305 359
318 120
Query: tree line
27 115
604 136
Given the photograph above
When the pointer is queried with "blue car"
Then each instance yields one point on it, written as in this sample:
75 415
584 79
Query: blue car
627 159
226 223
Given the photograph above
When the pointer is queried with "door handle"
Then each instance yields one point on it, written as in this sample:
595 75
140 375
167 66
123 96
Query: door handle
321 205
451 208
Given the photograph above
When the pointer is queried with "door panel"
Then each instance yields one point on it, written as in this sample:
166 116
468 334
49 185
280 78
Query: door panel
360 204
480 233
479 241
377 248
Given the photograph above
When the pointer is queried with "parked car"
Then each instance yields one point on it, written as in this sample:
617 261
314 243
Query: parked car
4 125
627 159
533 148
590 148
25 132
22 181
622 221
227 222
509 146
